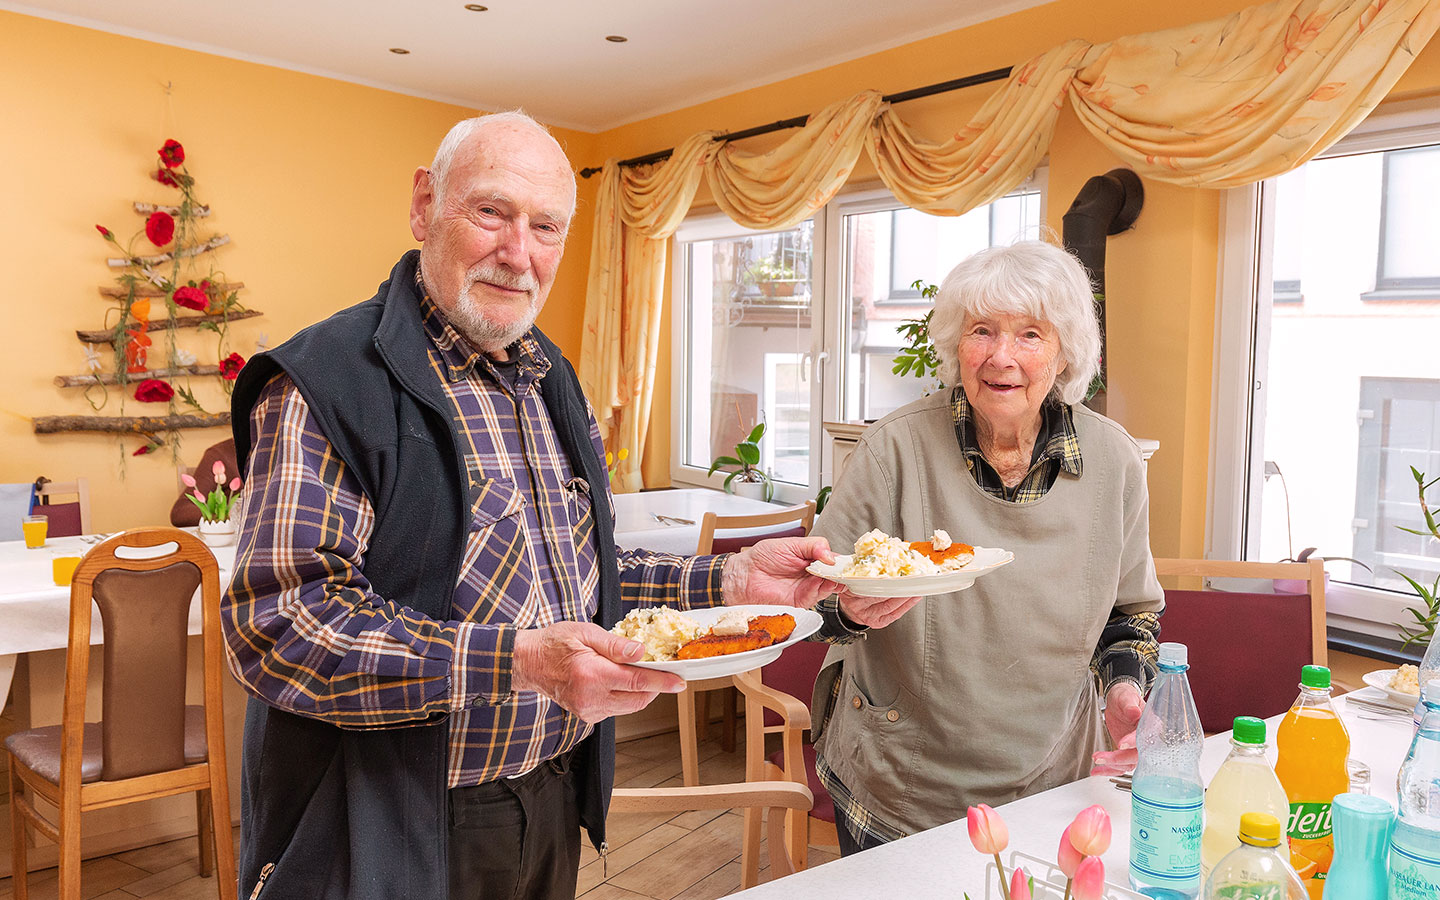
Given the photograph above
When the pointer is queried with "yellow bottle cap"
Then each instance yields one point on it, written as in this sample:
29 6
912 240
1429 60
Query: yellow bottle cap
1260 829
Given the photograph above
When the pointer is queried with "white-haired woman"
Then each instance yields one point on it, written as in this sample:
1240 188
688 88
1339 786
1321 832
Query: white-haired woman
993 693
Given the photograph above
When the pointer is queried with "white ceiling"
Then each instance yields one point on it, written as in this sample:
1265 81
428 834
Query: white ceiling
549 56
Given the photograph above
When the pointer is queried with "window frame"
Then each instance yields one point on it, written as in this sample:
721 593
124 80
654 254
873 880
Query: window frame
1242 330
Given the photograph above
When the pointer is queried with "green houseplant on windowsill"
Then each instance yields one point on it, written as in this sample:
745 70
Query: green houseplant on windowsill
747 479
1424 625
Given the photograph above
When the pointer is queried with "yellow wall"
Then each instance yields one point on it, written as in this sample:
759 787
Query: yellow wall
1161 275
309 176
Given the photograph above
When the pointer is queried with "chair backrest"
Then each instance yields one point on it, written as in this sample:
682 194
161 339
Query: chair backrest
798 518
144 609
1246 648
794 673
69 518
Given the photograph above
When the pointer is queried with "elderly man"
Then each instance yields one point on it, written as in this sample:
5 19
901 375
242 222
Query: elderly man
426 553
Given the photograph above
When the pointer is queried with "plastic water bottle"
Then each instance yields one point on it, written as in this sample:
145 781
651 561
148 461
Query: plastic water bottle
1256 870
1415 844
1429 671
1168 797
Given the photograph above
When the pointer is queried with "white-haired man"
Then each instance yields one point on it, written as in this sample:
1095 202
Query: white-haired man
427 568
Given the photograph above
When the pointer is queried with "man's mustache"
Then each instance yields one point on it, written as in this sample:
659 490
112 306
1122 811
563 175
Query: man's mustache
502 278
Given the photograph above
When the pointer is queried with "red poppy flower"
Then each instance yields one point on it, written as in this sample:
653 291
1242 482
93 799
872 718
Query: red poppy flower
153 390
191 298
160 228
143 449
163 176
231 365
172 154
104 232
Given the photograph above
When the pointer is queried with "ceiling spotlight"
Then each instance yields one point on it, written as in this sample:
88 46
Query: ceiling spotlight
399 51
475 7
616 38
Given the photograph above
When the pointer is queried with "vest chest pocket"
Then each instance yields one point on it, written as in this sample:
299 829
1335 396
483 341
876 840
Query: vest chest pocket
491 500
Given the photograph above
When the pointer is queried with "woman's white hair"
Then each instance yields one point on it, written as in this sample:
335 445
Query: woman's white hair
462 131
1029 278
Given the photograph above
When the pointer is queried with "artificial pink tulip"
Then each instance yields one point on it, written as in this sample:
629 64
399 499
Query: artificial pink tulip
1090 879
1019 885
187 480
1067 857
987 830
218 470
198 496
235 486
1090 832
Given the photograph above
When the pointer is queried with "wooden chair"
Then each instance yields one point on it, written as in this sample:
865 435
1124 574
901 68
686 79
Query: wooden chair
1246 647
772 706
148 743
66 519
774 798
794 521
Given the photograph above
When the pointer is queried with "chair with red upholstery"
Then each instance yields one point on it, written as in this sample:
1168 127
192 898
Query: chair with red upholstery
65 519
1246 647
743 531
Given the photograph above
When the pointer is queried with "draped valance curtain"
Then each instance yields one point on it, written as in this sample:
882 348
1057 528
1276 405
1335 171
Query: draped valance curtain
1218 104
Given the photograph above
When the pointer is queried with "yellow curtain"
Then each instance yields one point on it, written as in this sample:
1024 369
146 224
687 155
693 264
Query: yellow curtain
1217 104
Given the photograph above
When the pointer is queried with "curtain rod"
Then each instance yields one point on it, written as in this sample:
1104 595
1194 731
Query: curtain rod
798 121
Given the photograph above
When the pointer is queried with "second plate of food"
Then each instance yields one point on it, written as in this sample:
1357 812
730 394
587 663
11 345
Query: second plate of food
807 622
987 559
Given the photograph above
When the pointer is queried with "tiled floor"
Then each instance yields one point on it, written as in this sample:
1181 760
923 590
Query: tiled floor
690 856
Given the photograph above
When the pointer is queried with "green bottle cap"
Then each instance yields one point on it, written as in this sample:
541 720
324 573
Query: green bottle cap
1260 829
1315 677
1249 730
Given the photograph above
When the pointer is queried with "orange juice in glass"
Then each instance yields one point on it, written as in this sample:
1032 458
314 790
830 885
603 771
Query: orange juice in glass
34 528
63 569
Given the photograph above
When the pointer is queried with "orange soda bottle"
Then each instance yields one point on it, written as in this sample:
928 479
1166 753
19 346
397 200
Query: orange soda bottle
1313 746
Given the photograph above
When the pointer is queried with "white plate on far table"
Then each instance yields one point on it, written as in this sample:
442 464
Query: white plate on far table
1380 679
807 622
987 559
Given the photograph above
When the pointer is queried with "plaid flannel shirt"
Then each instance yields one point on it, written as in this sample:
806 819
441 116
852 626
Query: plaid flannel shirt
308 634
1129 644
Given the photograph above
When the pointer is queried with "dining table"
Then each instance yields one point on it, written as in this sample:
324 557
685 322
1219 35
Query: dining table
35 612
668 521
941 863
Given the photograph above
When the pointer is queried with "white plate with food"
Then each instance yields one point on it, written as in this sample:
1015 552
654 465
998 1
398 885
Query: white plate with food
1384 680
884 566
666 632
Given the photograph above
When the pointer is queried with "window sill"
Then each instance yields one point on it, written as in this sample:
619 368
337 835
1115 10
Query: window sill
1373 647
1393 294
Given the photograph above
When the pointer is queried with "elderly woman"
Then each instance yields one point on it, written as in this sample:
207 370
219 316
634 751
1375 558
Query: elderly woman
993 693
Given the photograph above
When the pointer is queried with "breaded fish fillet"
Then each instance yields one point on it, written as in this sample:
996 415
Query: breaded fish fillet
779 625
724 644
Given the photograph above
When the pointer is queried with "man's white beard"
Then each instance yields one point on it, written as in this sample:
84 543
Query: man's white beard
468 315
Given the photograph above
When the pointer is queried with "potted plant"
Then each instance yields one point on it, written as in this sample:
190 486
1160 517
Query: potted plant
1424 621
1297 585
774 278
747 480
219 512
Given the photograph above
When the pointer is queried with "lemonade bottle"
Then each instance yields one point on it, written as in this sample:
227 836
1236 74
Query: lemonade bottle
1245 783
1313 745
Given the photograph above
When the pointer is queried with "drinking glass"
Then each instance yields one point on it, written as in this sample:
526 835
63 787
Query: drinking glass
34 528
63 569
1359 776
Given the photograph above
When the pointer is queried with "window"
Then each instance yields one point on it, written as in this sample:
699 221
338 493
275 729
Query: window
1323 405
765 330
1409 227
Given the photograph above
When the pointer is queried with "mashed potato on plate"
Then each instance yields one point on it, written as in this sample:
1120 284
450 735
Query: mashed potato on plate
877 554
1406 680
661 629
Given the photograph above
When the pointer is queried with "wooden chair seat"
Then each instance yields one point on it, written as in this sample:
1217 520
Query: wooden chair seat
39 749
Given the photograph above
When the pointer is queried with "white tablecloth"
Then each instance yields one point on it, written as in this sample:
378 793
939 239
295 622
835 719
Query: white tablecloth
941 863
35 613
636 527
